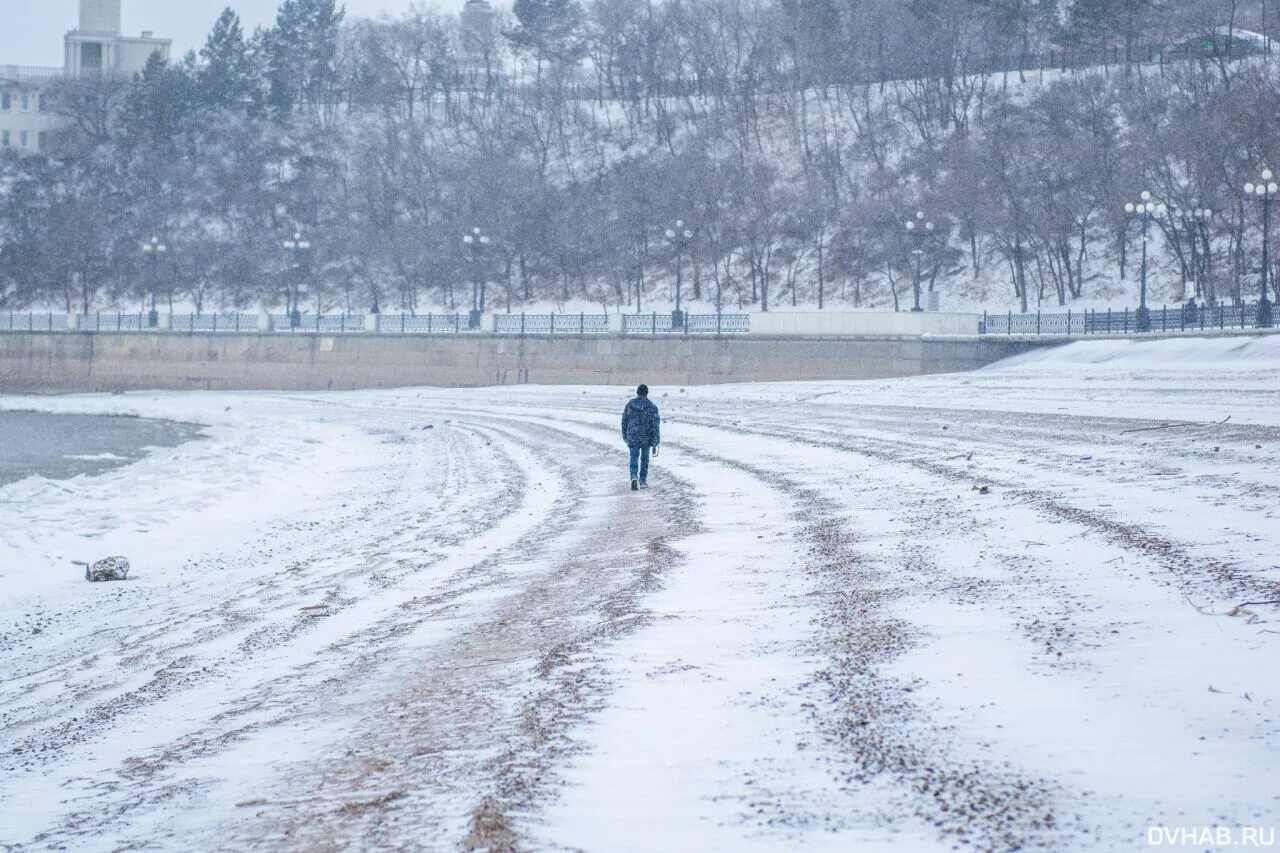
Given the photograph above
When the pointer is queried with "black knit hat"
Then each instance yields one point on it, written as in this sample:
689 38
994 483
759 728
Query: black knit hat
643 390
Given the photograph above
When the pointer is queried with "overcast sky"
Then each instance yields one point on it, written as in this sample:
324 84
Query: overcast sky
31 30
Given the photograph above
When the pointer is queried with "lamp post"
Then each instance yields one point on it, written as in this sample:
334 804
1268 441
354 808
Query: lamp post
1264 192
297 248
1147 208
152 250
477 241
919 229
678 237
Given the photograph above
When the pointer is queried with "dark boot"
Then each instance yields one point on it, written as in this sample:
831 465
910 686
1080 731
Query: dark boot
635 485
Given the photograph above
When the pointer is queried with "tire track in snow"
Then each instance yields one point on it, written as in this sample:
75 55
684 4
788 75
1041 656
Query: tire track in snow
870 715
1188 571
465 713
171 641
175 677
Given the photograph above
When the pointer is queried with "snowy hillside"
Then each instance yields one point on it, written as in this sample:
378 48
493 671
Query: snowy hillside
764 153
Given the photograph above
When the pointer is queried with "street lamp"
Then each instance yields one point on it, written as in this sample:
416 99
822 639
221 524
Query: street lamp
152 250
920 229
300 249
1264 192
477 241
1147 208
678 237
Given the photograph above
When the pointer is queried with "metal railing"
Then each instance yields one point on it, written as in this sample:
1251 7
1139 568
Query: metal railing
213 323
117 322
339 323
11 322
103 321
1122 322
425 324
1069 323
551 324
694 324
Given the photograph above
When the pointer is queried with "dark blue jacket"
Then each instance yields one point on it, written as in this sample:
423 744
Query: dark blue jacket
641 424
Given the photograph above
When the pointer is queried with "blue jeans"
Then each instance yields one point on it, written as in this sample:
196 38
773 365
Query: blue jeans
640 464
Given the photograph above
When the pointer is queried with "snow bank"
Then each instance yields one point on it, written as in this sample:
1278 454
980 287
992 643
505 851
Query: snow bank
1260 352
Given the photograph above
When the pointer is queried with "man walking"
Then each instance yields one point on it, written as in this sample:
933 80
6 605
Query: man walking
641 430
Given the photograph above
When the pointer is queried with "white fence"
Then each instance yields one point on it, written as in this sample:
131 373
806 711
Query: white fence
550 324
792 323
693 324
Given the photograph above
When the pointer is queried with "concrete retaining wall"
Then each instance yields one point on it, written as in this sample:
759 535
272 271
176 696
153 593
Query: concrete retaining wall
85 361
864 323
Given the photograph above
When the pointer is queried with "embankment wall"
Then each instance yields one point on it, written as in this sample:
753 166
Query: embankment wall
96 361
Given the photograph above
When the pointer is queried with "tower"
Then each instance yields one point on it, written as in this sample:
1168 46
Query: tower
477 26
100 17
98 47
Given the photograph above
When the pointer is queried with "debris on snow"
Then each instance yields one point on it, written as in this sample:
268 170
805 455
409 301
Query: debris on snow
110 569
357 806
1241 609
1178 425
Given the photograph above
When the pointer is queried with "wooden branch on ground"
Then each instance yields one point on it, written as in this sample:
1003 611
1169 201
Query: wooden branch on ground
1162 426
1238 610
1175 426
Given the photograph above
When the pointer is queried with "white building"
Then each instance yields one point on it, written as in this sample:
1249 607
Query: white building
96 46
477 26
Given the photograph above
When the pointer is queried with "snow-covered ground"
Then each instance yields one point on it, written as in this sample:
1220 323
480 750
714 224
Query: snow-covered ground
998 609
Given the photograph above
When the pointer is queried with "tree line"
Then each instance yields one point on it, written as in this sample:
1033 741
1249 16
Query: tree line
791 139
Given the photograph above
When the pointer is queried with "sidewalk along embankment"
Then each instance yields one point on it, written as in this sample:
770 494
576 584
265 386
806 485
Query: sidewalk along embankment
35 362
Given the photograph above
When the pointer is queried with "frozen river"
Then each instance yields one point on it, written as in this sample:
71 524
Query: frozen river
1026 608
59 446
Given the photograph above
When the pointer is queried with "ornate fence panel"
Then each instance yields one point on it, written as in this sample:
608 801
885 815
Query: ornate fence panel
319 323
717 324
646 324
581 324
1110 322
551 324
522 324
1121 322
14 322
214 323
117 322
694 324
341 323
424 324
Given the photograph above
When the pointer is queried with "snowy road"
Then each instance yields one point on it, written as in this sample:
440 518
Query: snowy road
433 619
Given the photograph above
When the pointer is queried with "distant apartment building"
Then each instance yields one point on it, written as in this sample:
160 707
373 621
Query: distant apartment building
477 26
95 47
